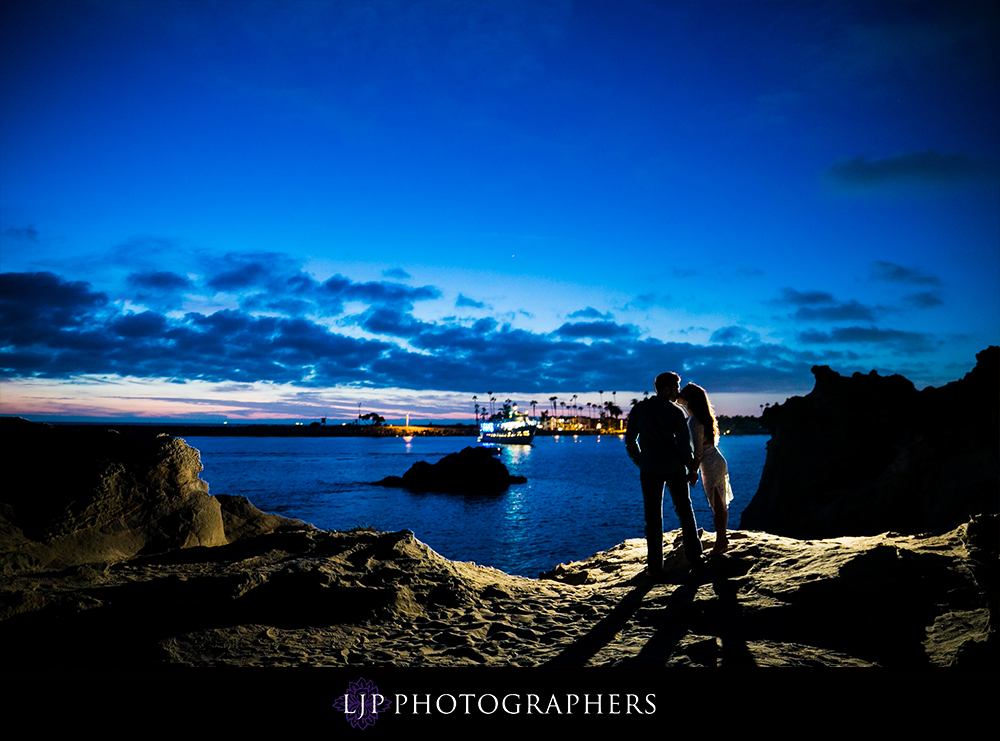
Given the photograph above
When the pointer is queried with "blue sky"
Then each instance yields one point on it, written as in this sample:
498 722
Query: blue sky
245 210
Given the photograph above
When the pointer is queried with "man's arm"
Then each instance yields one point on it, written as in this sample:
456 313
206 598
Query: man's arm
683 438
632 438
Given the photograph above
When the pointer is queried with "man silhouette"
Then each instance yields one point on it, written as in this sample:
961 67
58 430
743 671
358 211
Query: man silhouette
658 442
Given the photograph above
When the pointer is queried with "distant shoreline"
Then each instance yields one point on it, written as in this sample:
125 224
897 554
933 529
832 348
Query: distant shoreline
733 426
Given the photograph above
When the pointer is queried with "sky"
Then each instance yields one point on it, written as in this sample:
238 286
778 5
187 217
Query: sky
292 210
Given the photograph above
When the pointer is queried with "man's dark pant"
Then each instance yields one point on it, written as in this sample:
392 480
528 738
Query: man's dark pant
652 499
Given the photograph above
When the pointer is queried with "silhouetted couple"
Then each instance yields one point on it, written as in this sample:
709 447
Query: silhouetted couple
659 442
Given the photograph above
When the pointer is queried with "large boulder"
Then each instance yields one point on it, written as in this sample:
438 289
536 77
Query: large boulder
869 454
470 471
71 498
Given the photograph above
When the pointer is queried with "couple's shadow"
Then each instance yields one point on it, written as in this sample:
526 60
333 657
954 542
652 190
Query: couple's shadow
674 614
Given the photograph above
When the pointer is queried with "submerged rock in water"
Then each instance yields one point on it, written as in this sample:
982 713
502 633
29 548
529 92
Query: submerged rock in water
469 471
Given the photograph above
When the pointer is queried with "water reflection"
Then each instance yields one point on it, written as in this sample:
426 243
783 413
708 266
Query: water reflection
326 481
518 453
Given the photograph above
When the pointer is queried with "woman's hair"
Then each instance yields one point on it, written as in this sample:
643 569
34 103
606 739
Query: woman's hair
701 408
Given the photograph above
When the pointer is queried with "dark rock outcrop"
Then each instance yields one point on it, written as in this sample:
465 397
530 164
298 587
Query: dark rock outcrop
469 471
870 454
74 497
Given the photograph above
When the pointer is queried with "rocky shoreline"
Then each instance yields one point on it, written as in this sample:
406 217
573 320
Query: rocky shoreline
113 554
302 597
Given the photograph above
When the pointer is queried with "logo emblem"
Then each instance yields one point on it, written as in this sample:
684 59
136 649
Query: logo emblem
362 703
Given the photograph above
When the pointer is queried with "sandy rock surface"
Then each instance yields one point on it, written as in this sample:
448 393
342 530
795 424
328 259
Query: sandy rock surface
311 598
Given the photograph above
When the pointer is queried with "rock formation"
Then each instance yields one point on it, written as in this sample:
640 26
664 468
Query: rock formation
469 471
72 498
305 597
870 454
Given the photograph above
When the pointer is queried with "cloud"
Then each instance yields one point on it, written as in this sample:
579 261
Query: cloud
136 326
236 272
397 273
383 293
55 328
590 313
736 336
646 301
468 302
923 300
36 307
596 330
907 342
278 286
244 276
24 234
823 306
850 310
162 280
930 167
894 273
388 321
807 298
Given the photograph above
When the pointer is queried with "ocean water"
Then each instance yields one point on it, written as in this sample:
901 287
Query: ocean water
582 494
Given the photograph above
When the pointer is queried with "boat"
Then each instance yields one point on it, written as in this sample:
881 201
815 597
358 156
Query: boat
508 427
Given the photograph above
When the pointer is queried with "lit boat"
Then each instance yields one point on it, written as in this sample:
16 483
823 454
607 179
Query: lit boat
508 427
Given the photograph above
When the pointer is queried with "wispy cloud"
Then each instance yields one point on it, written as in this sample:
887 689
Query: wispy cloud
645 301
735 335
163 280
923 300
597 330
849 310
930 167
823 306
804 298
906 342
590 313
24 234
890 271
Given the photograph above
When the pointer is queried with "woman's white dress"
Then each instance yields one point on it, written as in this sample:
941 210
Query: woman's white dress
714 471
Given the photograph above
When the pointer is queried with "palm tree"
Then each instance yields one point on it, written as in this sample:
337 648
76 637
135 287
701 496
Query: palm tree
615 412
553 399
532 404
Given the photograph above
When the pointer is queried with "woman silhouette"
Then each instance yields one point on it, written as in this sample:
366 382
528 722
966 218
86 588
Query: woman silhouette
714 471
